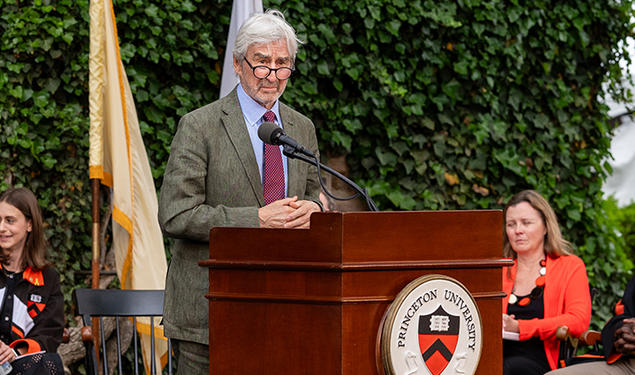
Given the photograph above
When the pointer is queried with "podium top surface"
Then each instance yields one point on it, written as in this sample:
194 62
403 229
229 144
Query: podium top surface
363 237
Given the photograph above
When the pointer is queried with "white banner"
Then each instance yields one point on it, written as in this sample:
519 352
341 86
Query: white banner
241 10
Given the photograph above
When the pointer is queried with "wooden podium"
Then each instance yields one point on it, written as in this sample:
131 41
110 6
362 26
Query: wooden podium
313 301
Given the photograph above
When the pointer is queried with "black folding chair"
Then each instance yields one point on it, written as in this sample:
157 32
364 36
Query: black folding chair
119 303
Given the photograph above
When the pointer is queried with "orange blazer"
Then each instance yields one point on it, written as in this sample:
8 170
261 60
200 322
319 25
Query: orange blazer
567 303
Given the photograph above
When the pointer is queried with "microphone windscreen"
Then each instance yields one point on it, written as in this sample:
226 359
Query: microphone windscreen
269 132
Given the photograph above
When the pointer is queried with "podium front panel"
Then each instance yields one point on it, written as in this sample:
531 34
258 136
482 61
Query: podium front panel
313 301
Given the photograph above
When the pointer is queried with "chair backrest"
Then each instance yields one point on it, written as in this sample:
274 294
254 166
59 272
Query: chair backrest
119 303
569 344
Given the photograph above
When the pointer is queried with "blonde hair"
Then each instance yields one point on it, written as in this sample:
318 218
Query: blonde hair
554 244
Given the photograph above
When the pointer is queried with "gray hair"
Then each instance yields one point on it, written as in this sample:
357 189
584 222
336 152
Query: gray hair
265 28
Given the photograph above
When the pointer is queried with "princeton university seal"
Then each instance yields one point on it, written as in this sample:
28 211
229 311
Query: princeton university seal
432 327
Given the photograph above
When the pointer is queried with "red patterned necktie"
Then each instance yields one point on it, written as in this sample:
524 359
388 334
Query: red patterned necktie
273 169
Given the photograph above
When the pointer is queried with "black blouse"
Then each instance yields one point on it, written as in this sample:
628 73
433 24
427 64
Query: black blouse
534 347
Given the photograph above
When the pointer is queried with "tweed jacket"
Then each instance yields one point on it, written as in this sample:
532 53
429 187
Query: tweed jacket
211 180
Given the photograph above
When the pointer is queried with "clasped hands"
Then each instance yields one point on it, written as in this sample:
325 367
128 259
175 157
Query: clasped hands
625 337
287 213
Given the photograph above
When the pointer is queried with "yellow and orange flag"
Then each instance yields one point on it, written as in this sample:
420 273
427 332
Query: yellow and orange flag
119 160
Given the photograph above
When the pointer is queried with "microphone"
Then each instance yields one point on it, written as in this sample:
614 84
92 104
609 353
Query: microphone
272 134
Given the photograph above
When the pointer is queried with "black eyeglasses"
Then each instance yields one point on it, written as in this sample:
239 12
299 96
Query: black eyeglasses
263 71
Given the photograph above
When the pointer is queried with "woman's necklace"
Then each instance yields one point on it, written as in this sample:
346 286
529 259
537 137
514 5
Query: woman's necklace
7 272
540 283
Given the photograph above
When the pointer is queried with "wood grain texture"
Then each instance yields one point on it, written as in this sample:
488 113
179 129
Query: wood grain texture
312 301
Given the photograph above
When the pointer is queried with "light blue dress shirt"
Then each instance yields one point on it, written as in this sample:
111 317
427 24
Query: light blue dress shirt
252 113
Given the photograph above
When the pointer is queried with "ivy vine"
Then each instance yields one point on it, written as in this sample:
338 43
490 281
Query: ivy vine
436 105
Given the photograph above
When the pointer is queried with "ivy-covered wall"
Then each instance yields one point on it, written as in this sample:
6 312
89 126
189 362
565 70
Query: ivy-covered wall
437 105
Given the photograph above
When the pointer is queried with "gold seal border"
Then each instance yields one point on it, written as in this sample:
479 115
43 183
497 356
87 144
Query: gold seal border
386 331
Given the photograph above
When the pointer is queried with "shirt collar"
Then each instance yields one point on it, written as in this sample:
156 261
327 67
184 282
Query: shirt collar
33 276
252 110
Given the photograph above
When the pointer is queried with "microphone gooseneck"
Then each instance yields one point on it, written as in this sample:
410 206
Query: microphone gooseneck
272 134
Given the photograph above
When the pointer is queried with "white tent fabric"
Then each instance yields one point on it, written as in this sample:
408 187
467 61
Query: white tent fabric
241 10
621 183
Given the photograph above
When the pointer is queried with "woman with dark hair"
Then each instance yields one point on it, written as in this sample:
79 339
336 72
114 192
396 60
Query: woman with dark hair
547 286
31 302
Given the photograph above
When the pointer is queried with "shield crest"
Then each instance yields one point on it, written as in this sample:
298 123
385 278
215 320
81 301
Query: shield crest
438 336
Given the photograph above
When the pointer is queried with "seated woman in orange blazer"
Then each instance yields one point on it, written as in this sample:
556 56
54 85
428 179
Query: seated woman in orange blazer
547 286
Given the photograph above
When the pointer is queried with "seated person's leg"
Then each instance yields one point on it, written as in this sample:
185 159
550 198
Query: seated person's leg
622 367
38 364
519 365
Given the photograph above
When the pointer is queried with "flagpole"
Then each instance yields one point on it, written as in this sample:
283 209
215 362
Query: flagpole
95 266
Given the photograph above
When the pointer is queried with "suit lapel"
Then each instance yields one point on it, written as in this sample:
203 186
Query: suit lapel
234 122
293 131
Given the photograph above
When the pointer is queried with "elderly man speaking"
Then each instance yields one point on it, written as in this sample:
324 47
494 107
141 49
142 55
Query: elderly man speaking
221 174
